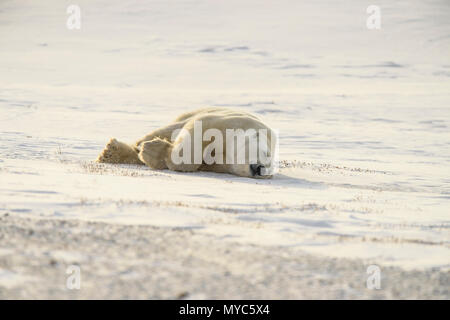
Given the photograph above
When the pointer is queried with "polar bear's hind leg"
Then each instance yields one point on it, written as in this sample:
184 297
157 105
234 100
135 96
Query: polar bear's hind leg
157 154
118 152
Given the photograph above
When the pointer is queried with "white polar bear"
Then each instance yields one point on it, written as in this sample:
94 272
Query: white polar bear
187 145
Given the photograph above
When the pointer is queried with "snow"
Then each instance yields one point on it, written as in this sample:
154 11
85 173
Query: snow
10 279
363 117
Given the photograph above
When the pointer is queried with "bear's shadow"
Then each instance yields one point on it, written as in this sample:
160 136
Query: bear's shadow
278 180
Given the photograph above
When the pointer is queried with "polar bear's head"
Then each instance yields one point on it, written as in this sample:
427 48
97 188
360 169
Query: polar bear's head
247 148
261 155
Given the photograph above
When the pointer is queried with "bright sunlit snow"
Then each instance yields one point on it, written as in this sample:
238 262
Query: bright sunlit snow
363 117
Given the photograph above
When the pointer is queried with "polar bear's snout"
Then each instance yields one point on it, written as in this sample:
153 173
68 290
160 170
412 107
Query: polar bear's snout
255 169
260 171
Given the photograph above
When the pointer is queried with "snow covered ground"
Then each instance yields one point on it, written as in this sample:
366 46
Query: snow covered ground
363 116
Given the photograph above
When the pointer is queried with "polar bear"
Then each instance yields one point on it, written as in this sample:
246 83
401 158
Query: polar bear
210 139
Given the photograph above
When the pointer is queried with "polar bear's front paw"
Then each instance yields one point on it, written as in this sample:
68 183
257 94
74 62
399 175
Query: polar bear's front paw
109 154
153 153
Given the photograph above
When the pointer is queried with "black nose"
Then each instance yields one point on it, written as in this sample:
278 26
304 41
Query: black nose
256 169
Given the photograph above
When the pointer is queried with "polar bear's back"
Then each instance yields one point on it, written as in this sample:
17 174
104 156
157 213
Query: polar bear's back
215 112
